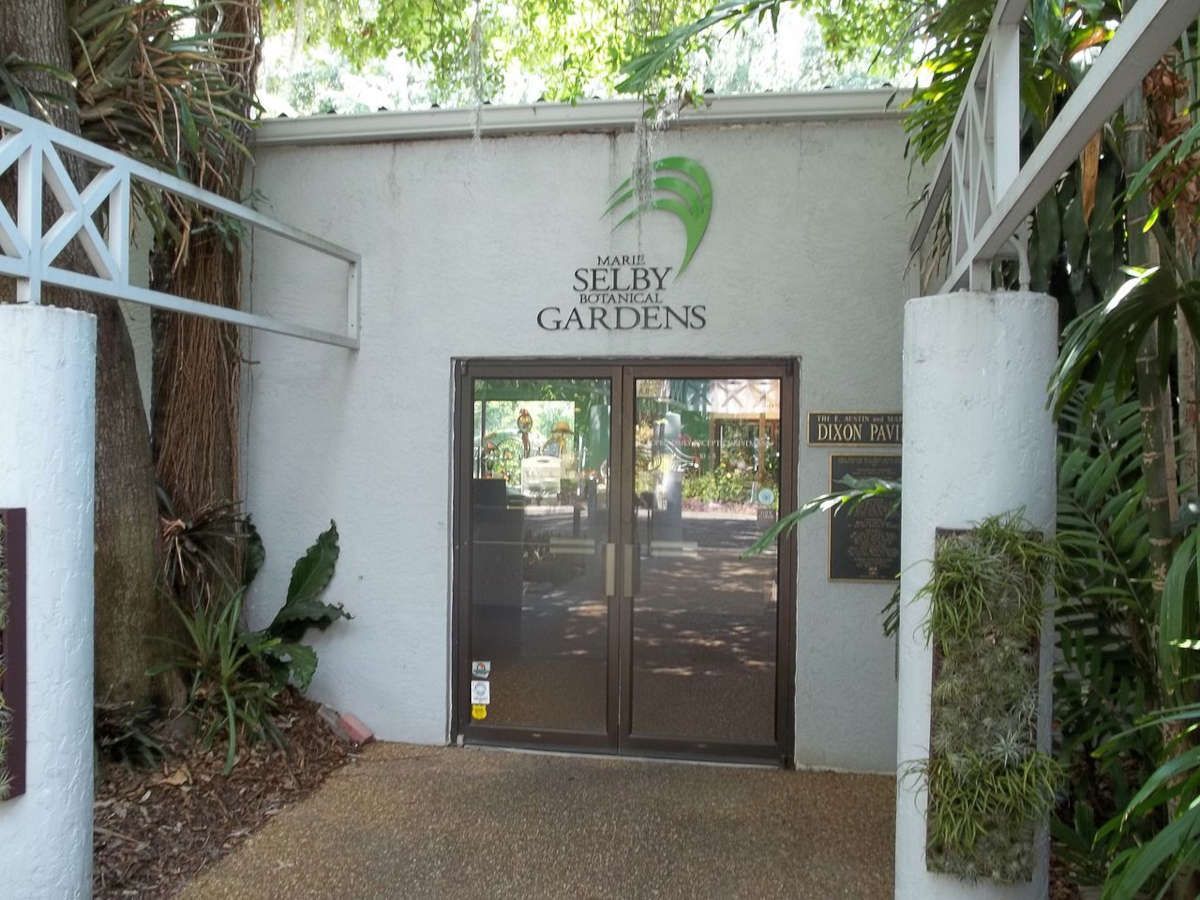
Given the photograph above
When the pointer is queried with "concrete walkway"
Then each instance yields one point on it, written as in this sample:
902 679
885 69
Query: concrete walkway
410 821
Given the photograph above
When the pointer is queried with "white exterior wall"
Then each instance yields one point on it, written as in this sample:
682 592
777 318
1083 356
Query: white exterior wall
138 318
47 463
462 244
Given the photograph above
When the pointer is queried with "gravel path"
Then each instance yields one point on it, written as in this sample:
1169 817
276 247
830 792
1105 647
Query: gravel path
414 821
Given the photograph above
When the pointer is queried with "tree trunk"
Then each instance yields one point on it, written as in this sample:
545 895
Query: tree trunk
1189 406
128 610
197 361
1150 394
196 378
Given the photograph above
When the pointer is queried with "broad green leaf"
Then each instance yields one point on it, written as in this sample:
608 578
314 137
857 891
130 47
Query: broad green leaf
314 570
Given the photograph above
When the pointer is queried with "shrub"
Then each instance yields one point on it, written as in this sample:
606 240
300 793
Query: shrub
235 675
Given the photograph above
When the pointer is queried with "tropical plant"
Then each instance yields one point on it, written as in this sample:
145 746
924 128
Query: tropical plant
726 483
145 80
235 675
206 552
470 44
1172 792
1106 674
289 660
229 690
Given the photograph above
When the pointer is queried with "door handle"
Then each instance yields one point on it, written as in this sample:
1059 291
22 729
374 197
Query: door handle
629 571
610 569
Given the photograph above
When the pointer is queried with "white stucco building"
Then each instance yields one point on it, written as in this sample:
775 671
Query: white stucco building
614 609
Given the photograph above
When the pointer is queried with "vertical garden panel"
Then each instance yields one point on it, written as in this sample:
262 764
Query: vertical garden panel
12 653
990 786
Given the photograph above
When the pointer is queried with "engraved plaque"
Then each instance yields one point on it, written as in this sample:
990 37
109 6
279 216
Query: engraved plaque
849 429
864 542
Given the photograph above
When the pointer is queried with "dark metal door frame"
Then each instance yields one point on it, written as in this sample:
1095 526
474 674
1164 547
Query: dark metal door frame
622 374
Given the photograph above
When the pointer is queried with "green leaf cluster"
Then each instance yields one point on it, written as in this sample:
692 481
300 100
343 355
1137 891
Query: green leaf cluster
290 660
568 44
235 675
877 29
989 785
1106 674
149 80
1103 343
1172 792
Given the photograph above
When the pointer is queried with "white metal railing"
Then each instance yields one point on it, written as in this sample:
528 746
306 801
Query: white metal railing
28 251
990 191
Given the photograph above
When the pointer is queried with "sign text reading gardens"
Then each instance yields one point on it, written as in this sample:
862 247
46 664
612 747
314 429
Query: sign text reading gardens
621 293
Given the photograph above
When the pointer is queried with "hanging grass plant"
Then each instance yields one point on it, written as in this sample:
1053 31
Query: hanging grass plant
989 785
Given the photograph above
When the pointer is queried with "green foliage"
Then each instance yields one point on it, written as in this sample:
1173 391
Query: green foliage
568 45
125 735
983 812
202 554
230 692
289 660
988 581
724 484
1104 341
1171 792
1106 674
147 81
989 785
875 28
236 675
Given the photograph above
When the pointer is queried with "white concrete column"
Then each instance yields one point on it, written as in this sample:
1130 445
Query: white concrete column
47 458
978 441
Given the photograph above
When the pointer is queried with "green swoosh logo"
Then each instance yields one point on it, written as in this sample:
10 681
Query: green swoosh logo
689 197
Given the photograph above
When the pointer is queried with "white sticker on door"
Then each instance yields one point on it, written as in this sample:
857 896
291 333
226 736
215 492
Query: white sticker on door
481 668
481 692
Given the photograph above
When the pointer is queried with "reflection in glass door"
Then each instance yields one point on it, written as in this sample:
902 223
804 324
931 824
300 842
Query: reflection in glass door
605 597
703 615
539 530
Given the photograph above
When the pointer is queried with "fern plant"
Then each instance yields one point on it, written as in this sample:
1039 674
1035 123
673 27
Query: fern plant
1106 676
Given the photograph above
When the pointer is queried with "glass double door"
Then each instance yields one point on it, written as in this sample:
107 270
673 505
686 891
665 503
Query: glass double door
606 596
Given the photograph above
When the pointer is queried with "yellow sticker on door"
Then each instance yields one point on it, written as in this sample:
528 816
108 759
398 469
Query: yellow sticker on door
478 711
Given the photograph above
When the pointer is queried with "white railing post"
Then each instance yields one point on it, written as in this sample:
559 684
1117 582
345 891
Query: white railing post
120 229
29 222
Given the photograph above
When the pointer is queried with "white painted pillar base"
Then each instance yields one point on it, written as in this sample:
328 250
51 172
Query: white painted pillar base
47 459
978 441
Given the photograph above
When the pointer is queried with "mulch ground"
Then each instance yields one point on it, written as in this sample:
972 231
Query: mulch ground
155 829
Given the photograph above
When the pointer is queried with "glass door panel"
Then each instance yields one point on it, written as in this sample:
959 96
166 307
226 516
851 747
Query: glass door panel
704 618
538 531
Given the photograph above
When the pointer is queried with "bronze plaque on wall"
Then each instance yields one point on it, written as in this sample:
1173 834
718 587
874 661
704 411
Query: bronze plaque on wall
848 429
864 543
